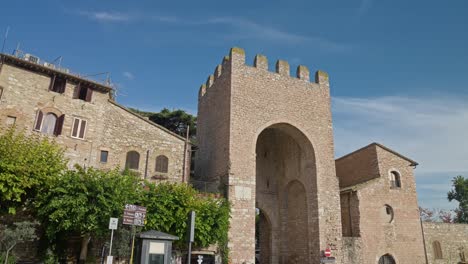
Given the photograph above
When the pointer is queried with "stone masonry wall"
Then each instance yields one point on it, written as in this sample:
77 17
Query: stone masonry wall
398 234
253 100
453 239
109 126
357 167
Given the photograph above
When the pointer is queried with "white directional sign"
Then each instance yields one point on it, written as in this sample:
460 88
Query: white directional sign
113 222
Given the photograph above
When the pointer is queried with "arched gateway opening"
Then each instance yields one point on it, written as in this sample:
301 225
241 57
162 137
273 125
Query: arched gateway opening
286 192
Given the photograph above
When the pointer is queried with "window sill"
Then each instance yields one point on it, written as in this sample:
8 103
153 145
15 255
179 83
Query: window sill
82 139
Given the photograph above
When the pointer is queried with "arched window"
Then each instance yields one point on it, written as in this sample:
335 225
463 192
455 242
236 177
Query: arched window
162 164
49 123
387 259
389 215
437 250
395 181
133 160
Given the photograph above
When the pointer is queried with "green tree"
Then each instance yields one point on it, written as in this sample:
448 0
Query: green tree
12 236
176 121
27 166
459 193
168 205
82 201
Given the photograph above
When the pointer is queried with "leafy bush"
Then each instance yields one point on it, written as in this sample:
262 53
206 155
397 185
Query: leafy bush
168 206
27 166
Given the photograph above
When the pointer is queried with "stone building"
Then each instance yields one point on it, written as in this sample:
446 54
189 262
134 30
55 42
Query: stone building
379 207
82 116
266 142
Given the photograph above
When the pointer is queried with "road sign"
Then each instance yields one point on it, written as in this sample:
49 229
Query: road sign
326 260
327 252
134 215
113 222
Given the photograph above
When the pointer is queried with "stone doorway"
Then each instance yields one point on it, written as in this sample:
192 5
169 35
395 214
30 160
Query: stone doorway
387 259
286 196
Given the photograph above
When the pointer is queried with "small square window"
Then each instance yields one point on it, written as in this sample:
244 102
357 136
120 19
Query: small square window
104 156
11 120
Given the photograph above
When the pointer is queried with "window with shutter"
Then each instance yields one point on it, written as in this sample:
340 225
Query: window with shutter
79 128
48 124
59 125
133 160
162 164
57 84
83 93
38 121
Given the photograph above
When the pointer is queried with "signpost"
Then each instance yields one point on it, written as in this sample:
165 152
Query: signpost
113 222
191 234
134 215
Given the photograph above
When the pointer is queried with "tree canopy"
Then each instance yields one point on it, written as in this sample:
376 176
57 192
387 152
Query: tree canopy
28 164
459 193
176 120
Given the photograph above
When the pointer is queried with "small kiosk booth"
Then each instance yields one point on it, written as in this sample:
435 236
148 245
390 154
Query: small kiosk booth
154 247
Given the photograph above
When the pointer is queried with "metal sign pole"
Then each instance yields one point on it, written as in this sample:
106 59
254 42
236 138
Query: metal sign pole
191 234
112 238
189 258
133 244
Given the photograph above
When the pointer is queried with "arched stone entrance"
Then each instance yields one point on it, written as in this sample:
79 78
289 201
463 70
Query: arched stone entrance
387 259
286 193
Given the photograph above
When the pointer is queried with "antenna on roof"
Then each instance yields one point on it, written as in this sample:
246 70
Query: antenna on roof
16 51
59 58
5 38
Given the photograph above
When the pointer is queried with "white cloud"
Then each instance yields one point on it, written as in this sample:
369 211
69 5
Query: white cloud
128 75
248 29
106 16
430 130
237 28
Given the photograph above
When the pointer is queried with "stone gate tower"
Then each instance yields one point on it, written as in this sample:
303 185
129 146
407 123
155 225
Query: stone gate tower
266 141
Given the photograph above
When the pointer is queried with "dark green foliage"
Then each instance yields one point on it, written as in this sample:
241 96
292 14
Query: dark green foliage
460 193
176 120
27 166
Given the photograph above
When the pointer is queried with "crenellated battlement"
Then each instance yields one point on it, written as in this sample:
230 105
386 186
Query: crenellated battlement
236 59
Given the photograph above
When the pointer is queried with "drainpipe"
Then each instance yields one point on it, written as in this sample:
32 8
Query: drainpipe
146 164
424 240
184 166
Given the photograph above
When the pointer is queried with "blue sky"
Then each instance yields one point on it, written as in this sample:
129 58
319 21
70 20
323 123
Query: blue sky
398 68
